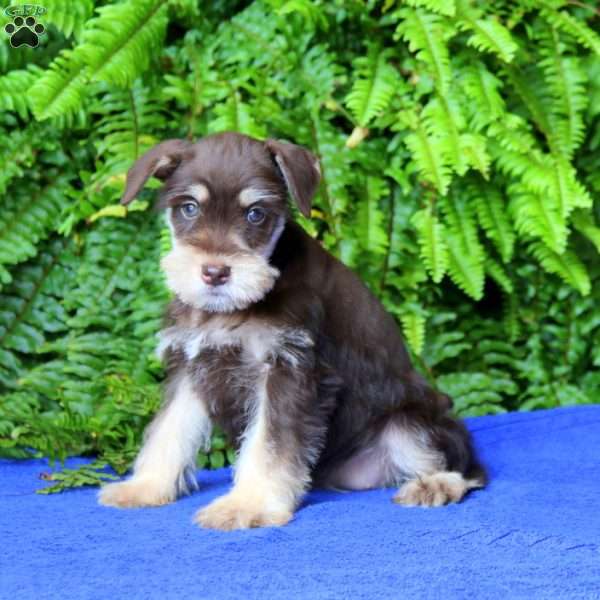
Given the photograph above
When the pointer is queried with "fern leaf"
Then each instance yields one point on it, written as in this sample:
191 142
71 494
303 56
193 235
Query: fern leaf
566 80
442 118
426 34
16 154
28 217
563 21
534 216
67 16
490 36
119 43
474 149
413 328
446 8
476 393
465 270
236 115
13 90
374 86
32 307
431 238
584 223
482 88
498 274
533 98
370 219
566 265
61 88
493 218
430 158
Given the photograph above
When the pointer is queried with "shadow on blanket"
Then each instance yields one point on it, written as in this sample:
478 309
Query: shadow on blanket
533 533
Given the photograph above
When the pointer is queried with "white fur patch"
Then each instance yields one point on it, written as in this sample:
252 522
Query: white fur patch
198 192
409 453
259 341
165 467
249 196
251 278
277 231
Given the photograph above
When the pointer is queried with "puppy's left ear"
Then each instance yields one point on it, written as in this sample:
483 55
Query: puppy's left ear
159 162
300 170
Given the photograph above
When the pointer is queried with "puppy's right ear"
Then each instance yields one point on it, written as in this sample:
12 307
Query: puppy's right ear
158 162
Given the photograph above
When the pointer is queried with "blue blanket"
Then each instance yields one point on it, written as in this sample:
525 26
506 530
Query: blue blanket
533 533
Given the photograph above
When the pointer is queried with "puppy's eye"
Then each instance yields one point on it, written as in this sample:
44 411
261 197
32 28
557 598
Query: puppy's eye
256 215
189 209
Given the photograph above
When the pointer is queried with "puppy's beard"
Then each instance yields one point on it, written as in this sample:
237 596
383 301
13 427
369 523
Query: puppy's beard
252 277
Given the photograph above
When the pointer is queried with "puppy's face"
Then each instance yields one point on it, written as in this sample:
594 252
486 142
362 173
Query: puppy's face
225 200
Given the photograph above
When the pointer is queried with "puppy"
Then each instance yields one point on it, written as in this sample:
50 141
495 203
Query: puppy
282 346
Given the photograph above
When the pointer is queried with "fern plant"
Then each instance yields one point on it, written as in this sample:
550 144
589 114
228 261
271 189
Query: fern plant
458 142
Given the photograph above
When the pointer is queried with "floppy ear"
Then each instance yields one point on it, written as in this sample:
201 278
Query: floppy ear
158 162
300 170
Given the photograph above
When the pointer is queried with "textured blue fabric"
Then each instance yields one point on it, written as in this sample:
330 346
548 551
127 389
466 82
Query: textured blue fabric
533 533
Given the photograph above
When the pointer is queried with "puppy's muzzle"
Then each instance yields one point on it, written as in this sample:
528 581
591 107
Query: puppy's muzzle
215 274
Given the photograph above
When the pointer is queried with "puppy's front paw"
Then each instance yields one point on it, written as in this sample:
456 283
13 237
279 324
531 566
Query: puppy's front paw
432 490
234 512
134 493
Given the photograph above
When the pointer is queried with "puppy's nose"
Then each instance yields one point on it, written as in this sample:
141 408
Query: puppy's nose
215 274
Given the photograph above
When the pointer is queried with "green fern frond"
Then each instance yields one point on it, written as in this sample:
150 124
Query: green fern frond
118 44
16 154
563 21
534 216
441 7
32 307
488 35
566 265
442 118
566 81
465 270
236 115
13 88
370 219
496 271
426 34
375 84
493 218
429 154
460 218
533 96
125 117
413 327
474 148
60 89
584 223
28 217
431 238
67 16
482 88
476 393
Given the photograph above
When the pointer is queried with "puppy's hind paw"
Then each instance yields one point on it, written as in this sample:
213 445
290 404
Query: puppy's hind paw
433 490
135 493
230 512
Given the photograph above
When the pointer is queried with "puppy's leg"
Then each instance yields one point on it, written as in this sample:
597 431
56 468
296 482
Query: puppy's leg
273 466
436 462
165 466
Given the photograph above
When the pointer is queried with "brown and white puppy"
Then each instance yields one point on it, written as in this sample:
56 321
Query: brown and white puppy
282 346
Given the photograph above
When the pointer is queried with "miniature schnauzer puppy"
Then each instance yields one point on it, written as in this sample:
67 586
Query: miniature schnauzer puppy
277 342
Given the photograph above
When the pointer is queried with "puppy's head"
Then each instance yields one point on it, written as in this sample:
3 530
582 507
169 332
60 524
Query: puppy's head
226 203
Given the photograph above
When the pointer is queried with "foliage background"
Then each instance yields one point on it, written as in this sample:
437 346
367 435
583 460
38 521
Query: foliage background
459 143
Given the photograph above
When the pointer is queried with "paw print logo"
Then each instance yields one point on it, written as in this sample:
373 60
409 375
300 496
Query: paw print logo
24 32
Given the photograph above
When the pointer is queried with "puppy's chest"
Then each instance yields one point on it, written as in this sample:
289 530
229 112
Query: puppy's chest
229 361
